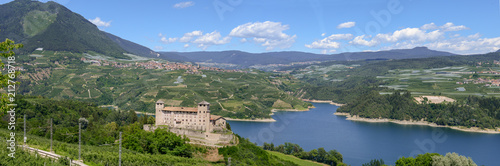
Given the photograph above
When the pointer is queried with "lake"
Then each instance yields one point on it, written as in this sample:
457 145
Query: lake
359 142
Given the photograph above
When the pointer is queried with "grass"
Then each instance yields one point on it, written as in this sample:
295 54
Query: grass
294 159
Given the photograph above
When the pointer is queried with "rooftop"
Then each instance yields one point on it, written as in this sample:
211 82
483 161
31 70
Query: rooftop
204 102
181 109
215 117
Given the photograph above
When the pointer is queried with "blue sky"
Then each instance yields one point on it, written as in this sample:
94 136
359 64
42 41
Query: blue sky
333 26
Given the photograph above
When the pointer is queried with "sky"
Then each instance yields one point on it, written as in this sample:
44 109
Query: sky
317 26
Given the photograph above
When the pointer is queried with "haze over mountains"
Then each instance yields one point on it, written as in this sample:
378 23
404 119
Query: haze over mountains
54 27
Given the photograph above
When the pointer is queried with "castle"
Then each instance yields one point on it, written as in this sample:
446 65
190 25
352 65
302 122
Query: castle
189 118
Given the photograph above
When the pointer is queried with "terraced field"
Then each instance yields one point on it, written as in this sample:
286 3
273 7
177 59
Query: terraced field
251 94
443 81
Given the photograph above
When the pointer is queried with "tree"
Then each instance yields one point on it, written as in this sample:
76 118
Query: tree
151 120
452 159
6 51
375 162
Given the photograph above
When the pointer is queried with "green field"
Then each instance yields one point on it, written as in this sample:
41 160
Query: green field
294 159
440 81
231 94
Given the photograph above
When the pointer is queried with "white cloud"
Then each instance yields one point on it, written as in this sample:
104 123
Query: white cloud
209 39
346 25
188 36
412 35
166 40
449 26
467 45
430 26
100 23
323 34
360 40
184 4
329 42
186 45
347 36
268 34
452 27
243 40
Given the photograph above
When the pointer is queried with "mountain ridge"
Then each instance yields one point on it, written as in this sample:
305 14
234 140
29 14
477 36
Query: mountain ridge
246 59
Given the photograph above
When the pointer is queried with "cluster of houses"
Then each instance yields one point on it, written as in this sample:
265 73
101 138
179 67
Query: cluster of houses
192 69
485 81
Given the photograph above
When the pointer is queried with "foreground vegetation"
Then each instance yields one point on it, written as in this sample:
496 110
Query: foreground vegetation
428 159
92 155
247 153
320 155
100 128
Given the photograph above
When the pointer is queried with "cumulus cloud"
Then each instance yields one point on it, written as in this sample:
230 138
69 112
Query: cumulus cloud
166 40
268 34
329 42
213 38
346 25
449 26
467 45
452 27
184 4
100 23
433 37
360 40
188 36
412 35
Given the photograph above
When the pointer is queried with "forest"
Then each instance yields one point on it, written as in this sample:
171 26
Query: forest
474 111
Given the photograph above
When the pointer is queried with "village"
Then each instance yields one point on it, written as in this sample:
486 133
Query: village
192 69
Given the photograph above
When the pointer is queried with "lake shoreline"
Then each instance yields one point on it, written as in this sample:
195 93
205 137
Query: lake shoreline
251 120
423 123
323 101
268 119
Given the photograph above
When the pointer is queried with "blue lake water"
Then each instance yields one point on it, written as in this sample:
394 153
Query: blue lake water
359 142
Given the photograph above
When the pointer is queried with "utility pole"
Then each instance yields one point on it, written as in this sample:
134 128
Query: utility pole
25 131
51 134
120 151
80 141
229 161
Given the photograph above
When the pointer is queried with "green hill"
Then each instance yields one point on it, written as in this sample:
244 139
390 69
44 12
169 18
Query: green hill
244 95
53 27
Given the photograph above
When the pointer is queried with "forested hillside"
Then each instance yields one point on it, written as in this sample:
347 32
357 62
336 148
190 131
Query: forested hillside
474 111
52 26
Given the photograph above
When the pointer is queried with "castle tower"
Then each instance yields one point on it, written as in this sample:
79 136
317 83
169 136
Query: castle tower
159 114
204 115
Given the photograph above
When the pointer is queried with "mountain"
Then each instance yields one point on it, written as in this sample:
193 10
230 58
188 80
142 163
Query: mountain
245 59
52 26
132 47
